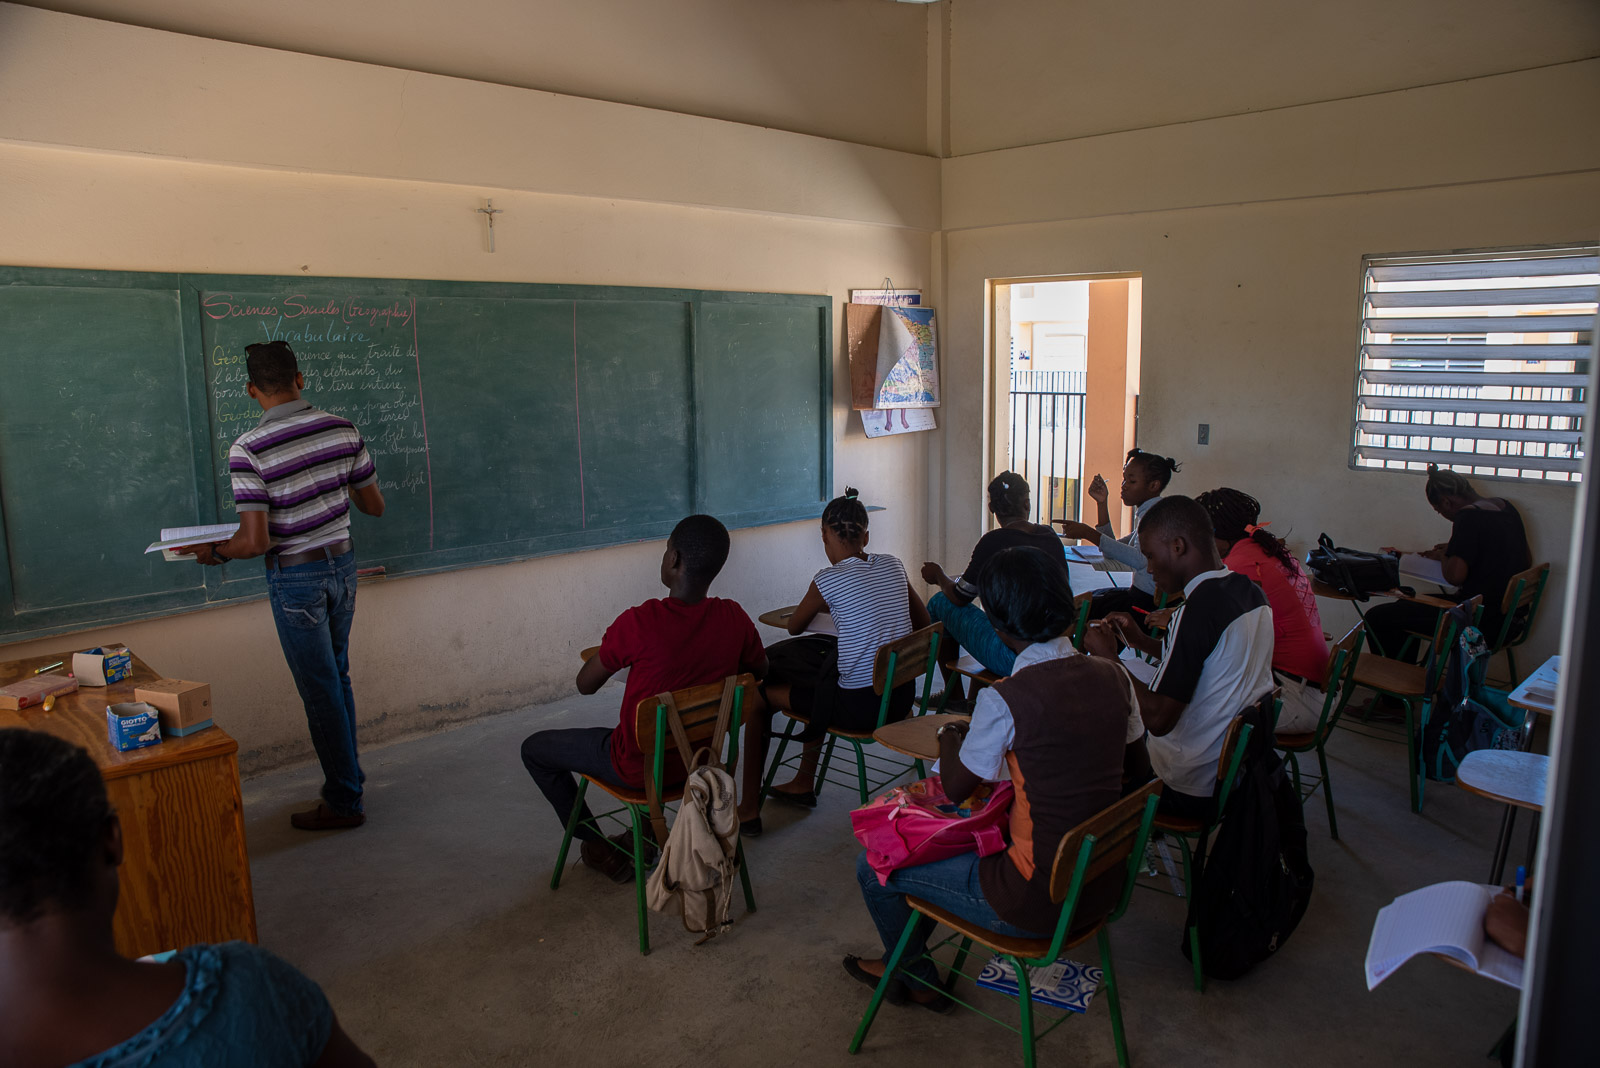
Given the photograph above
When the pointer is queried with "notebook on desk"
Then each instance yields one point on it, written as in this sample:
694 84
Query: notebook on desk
1446 918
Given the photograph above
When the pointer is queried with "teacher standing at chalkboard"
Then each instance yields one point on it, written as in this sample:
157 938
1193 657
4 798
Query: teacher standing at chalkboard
294 476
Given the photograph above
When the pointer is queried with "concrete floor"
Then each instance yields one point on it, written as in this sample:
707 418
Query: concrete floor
434 931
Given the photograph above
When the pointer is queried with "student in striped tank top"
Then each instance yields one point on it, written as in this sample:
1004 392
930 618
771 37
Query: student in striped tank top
872 602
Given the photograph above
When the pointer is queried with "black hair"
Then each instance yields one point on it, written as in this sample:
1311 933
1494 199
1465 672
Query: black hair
1027 594
1443 483
1009 494
846 516
703 542
53 813
1179 515
271 365
1156 468
1234 517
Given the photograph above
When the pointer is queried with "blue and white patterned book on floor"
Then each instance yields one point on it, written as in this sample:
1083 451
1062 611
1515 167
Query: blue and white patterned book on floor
1066 984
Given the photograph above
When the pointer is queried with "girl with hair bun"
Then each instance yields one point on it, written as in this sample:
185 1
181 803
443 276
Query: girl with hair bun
1488 545
872 603
1144 478
967 625
1299 651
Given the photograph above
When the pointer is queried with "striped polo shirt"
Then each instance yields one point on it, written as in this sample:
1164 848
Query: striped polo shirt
871 605
298 465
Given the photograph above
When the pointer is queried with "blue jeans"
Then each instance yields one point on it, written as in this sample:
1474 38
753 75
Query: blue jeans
552 757
969 628
313 606
951 884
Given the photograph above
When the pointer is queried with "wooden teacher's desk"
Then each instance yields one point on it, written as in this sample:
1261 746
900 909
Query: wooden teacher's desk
185 876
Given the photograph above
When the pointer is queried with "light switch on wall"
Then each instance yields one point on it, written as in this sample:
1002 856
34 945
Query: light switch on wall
1205 433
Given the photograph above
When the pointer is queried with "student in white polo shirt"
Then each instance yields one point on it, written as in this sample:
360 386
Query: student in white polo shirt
1216 658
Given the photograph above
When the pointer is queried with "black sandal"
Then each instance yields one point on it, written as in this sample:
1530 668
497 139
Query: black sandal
805 800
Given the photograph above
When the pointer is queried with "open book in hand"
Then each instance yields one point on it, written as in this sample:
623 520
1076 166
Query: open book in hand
1445 918
181 537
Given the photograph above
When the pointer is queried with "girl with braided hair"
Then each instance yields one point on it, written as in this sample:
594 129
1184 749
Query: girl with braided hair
966 624
1144 479
871 602
1299 652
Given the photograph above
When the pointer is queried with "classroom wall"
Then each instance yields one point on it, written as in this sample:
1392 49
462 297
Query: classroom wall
133 149
1248 232
1026 72
847 69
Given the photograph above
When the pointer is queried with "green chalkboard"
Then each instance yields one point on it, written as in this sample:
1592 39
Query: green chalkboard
506 421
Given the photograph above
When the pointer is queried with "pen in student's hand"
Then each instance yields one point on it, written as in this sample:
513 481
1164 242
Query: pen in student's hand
47 667
1141 611
1522 878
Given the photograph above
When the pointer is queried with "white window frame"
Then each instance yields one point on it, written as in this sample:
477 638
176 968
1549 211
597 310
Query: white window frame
1510 408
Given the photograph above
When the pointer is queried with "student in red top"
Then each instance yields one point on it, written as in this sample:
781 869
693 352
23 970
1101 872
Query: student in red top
684 639
1299 651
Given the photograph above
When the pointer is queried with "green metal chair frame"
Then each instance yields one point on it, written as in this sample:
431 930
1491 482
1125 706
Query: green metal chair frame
697 707
889 670
1418 701
1523 594
1234 745
1340 677
1115 836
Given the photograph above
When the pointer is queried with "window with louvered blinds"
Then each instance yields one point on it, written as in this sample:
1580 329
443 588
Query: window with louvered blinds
1477 362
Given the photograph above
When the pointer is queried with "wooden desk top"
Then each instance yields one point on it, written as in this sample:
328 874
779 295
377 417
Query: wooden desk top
779 617
1506 776
1537 692
80 718
916 736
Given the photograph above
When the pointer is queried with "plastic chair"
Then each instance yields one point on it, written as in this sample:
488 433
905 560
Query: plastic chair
1097 846
1341 672
1409 684
1519 605
1184 830
699 708
897 663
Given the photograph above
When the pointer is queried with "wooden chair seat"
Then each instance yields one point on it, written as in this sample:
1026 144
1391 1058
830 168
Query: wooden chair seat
1390 676
629 795
985 676
1294 739
860 736
1027 948
1178 824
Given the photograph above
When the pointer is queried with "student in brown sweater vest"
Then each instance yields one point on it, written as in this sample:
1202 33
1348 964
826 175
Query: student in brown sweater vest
1061 729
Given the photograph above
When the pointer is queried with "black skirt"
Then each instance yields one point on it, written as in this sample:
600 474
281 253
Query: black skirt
809 666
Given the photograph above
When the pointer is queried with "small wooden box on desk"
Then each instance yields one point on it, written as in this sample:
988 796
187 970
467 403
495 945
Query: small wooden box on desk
185 874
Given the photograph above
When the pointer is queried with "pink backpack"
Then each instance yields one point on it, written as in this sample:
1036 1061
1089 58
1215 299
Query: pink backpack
917 824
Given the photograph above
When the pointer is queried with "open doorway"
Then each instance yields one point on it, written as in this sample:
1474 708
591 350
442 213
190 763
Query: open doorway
1065 381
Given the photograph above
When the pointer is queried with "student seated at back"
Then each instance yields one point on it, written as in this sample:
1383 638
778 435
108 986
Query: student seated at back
1144 478
1064 729
1488 544
1299 651
966 626
872 603
684 639
67 997
1216 657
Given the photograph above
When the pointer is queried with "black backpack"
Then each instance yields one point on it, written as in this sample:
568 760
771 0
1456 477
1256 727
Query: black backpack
1351 571
1256 883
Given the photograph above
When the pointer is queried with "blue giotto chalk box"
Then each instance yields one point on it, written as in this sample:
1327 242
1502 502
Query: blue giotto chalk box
132 725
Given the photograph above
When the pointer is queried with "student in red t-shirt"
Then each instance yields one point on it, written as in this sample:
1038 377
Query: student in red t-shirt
1299 651
684 639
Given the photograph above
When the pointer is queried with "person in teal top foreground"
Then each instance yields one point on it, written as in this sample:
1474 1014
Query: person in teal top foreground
68 998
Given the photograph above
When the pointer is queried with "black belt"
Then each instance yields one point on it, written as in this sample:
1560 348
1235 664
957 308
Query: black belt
310 556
